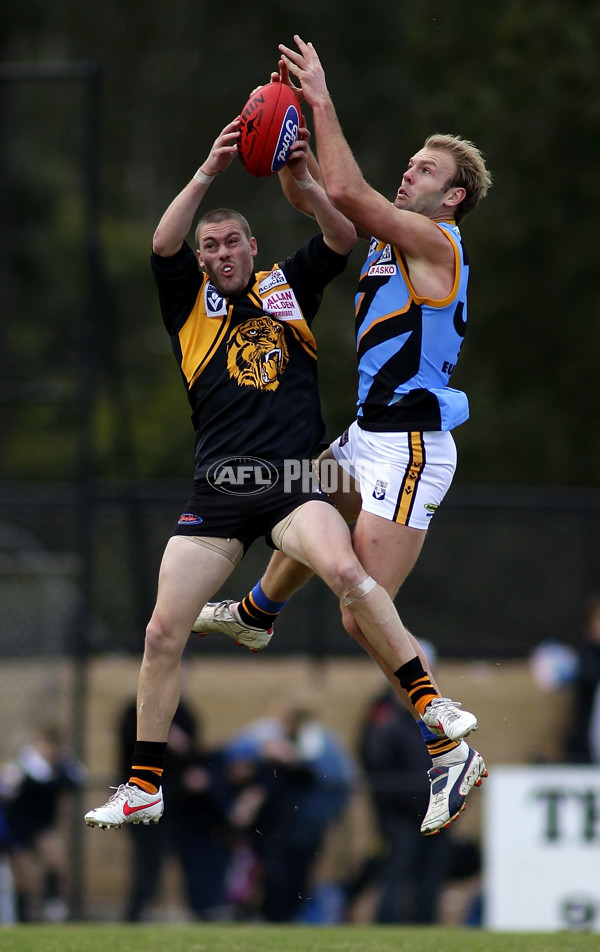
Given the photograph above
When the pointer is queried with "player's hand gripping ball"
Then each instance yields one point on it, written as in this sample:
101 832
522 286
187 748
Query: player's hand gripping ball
268 129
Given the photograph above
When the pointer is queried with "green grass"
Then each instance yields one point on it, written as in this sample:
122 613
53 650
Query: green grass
260 938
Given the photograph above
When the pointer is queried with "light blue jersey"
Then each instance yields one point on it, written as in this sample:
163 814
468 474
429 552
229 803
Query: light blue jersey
407 345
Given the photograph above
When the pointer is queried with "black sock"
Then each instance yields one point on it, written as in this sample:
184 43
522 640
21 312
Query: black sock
148 763
415 681
258 611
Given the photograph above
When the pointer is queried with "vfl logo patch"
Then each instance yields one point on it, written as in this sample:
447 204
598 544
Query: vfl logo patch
190 519
257 353
214 302
380 490
430 508
344 437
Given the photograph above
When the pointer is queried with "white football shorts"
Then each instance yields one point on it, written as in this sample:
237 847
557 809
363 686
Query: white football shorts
403 477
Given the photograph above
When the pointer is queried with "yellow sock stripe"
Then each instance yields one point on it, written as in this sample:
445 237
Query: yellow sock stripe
421 693
148 787
251 607
441 746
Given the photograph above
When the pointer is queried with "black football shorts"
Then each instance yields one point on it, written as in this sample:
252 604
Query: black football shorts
248 509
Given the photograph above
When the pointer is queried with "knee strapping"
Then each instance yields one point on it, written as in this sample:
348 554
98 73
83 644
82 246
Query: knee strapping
359 591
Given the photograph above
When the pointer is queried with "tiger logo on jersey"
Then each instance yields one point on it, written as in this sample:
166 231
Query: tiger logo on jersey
257 353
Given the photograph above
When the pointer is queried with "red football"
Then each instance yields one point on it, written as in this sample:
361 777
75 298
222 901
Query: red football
269 128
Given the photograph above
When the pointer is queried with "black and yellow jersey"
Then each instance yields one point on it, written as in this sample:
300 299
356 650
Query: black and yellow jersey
249 363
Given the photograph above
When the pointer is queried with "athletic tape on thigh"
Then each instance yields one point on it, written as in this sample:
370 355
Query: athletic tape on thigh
359 591
230 549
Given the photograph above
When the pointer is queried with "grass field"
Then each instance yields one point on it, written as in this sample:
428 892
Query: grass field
260 938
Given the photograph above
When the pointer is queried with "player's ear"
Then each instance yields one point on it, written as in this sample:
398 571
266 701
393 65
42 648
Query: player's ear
455 196
200 259
253 247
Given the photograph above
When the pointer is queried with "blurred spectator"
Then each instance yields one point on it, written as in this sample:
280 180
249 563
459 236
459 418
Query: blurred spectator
553 664
33 786
8 912
307 776
582 741
195 828
412 868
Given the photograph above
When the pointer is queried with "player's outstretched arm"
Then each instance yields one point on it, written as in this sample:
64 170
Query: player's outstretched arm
177 220
292 192
296 195
306 193
371 212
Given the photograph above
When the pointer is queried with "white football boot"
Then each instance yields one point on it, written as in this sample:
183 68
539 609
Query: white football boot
450 787
444 717
223 617
128 804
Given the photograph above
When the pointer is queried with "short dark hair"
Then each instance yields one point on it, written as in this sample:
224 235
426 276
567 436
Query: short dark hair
223 214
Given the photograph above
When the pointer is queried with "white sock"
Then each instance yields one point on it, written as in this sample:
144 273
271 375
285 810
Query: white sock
457 755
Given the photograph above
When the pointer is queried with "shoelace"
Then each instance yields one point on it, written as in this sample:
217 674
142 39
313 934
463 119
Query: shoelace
447 703
117 790
223 612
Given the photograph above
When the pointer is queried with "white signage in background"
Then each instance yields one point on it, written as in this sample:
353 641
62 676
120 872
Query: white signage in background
542 848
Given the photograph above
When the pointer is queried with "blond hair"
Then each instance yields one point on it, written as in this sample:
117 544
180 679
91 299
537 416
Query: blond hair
471 172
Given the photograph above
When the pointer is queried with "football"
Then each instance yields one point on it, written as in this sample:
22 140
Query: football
268 129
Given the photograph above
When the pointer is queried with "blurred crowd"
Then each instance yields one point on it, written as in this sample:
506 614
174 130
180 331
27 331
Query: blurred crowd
246 823
34 788
247 820
558 665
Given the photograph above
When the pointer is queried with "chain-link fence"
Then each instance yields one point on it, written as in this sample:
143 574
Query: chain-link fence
500 571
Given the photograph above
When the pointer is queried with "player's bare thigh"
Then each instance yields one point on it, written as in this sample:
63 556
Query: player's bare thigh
386 550
343 491
189 576
284 575
316 535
